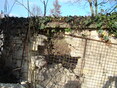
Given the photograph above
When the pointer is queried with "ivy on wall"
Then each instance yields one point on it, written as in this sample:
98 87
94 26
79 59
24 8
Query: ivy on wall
108 21
100 22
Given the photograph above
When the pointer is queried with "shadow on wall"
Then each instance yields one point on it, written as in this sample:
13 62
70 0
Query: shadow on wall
67 61
56 50
108 83
72 84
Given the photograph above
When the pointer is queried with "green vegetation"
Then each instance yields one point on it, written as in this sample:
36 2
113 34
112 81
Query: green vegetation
101 22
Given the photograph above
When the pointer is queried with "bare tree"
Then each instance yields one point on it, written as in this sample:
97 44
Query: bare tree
36 10
91 7
45 2
6 7
27 8
91 3
56 10
94 5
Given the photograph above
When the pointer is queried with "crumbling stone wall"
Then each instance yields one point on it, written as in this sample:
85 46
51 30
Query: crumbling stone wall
56 75
56 61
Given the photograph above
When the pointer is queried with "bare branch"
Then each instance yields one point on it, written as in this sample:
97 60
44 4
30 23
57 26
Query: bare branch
113 9
103 2
11 7
36 10
45 2
24 7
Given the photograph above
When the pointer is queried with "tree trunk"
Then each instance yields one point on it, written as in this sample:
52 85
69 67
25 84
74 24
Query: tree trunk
44 3
91 7
96 8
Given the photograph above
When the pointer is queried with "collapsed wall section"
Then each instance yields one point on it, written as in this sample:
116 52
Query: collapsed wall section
52 62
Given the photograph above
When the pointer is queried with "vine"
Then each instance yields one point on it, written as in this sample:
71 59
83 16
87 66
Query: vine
100 22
